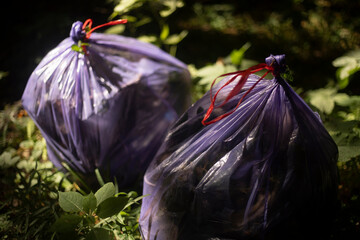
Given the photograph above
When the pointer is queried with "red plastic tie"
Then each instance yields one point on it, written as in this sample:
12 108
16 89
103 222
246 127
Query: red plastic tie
244 76
88 24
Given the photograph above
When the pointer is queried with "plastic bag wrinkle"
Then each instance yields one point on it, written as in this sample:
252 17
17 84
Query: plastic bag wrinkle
107 107
265 171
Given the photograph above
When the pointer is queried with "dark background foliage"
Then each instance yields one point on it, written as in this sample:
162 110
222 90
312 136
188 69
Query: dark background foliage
30 29
311 33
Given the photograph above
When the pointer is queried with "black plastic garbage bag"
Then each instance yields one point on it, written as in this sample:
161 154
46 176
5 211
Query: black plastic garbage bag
262 169
105 102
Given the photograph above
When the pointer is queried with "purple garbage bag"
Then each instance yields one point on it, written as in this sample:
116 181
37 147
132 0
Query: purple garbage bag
265 171
105 102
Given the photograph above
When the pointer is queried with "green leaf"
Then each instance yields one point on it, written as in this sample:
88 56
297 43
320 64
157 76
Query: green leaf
99 177
30 128
76 48
7 160
348 65
236 56
346 135
343 61
176 38
210 72
138 23
171 6
117 29
342 99
71 201
27 144
346 153
342 82
100 234
125 6
147 38
38 149
66 223
323 99
105 192
111 206
89 203
165 32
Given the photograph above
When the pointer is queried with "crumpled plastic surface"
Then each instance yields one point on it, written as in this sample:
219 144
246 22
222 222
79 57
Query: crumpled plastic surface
267 171
109 108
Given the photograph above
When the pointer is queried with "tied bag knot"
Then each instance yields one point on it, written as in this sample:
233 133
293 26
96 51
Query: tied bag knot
82 31
77 33
274 64
277 62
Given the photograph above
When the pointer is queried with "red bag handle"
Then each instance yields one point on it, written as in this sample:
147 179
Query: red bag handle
274 64
88 24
